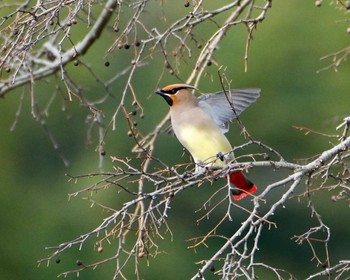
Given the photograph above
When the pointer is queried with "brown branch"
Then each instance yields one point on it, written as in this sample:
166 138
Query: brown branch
64 58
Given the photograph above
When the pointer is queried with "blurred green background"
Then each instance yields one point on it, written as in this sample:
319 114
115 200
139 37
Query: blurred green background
283 60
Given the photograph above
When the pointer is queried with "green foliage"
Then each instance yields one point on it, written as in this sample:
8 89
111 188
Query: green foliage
283 61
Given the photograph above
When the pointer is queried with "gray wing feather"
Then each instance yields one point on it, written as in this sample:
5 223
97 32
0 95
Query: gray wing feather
223 107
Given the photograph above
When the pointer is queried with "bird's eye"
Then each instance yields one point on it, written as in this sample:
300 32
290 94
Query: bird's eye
173 91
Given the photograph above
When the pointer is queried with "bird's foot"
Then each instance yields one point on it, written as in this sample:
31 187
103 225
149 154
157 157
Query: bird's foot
221 156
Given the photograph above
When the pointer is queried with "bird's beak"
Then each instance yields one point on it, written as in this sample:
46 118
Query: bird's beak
167 98
159 92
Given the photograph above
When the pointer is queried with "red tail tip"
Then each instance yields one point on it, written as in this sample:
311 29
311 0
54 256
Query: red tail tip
242 194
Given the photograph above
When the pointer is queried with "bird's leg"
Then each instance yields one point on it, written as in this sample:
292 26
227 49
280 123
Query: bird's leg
199 169
221 156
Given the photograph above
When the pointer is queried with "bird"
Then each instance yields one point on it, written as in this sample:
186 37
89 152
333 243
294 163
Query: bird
200 124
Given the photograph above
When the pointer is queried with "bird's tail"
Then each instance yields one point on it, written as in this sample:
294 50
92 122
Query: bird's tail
240 185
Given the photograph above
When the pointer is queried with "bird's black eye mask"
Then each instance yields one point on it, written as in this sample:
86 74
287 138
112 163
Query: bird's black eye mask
172 91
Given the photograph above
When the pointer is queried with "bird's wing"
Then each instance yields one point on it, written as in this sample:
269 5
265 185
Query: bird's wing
223 107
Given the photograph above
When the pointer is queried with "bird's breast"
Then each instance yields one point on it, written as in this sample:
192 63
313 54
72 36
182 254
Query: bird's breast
203 142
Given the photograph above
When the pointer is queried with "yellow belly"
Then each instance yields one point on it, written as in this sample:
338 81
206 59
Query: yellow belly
204 144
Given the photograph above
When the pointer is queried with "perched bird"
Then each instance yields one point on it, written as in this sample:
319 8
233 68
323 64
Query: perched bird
200 124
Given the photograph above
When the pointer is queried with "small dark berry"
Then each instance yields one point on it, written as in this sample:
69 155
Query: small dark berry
137 43
167 65
107 63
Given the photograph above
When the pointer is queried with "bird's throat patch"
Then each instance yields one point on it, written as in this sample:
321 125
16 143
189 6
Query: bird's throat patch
168 99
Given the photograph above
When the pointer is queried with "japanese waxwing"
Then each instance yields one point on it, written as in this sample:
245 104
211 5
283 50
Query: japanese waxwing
200 124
